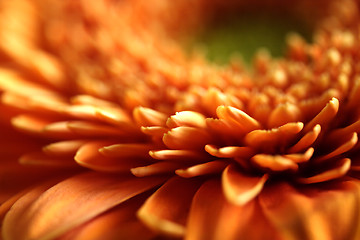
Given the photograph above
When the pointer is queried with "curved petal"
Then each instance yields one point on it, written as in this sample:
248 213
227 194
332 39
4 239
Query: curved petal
89 156
237 116
337 169
312 213
167 209
33 192
12 82
187 138
154 131
156 168
91 100
71 203
186 118
229 151
15 177
118 223
283 114
307 140
63 148
212 167
274 162
239 188
344 147
30 124
212 217
270 139
179 155
91 129
324 117
338 134
148 117
128 150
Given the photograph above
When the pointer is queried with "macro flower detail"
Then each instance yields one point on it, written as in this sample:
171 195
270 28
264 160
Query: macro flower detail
109 130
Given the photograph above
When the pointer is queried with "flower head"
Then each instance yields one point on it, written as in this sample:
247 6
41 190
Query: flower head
110 131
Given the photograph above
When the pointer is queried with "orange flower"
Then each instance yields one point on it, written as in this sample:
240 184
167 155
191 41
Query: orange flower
109 131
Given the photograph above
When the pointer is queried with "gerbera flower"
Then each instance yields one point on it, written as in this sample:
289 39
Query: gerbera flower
109 131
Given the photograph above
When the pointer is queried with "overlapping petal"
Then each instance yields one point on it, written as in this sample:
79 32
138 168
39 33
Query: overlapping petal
108 130
70 203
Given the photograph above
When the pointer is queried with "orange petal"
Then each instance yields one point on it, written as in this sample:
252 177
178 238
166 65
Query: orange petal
222 126
127 150
187 138
91 101
85 128
148 117
30 124
260 106
46 105
239 189
269 139
12 82
212 217
155 131
118 223
63 148
71 203
312 106
307 140
301 157
341 133
312 213
87 112
186 118
179 155
211 167
237 116
274 162
339 170
156 169
348 145
213 98
166 210
325 116
89 156
284 113
59 130
35 190
116 116
229 151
